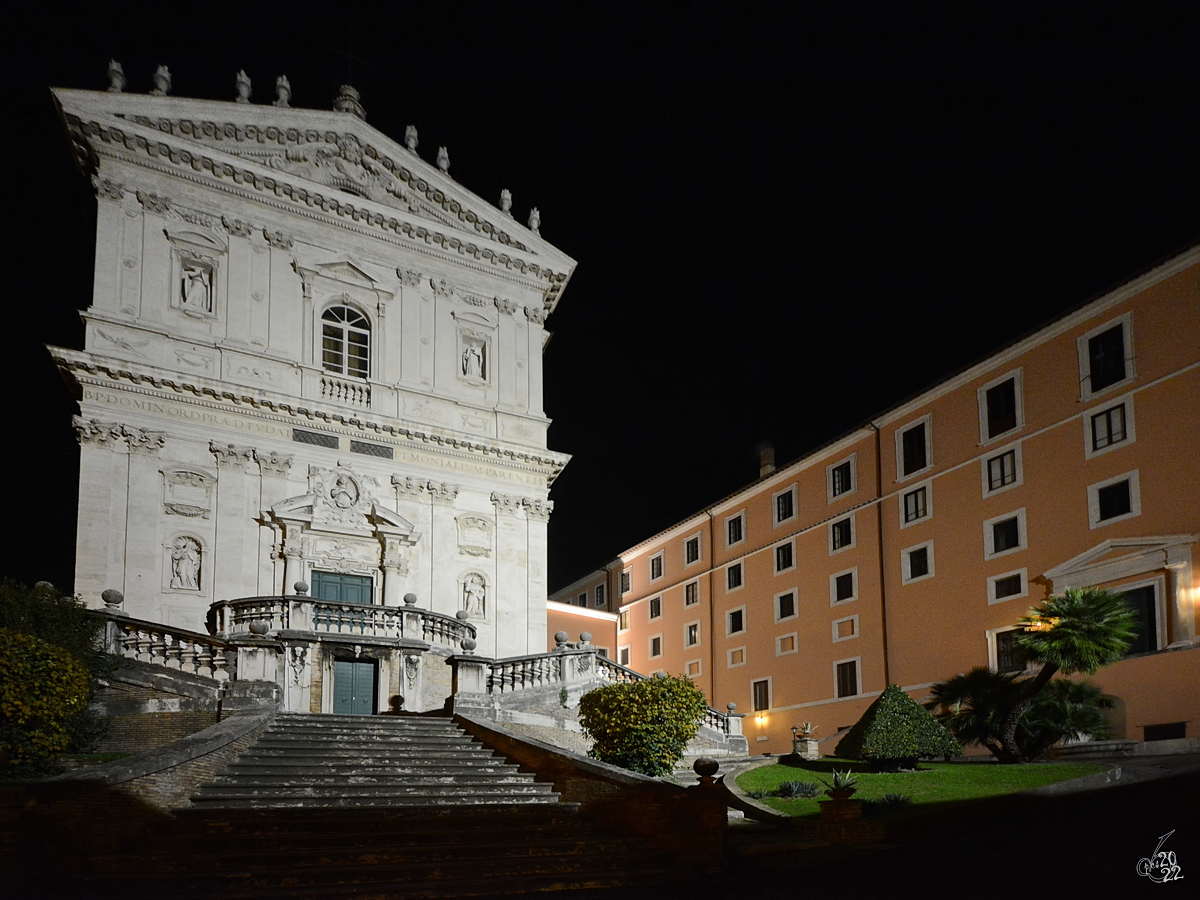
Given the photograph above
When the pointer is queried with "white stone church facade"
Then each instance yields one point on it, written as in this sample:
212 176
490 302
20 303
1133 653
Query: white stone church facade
310 357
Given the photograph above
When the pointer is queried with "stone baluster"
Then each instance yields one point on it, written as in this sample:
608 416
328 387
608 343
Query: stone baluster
143 646
172 652
204 661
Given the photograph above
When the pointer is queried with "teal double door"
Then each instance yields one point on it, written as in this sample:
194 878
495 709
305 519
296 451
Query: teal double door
353 687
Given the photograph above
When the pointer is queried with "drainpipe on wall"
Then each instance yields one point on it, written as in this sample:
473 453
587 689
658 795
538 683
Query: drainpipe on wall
712 634
887 675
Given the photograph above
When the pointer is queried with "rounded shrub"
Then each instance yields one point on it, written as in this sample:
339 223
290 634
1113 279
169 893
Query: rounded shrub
643 726
42 688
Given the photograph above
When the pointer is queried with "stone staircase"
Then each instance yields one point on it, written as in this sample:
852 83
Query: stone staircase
380 807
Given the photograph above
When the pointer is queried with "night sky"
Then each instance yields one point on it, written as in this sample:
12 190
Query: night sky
785 221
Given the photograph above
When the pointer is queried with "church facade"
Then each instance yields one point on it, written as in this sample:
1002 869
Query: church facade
313 362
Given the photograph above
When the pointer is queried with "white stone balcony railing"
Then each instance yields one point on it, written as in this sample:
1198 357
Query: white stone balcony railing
266 615
345 391
174 648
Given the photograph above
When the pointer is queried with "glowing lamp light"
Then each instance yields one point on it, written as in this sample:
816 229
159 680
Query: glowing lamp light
1043 624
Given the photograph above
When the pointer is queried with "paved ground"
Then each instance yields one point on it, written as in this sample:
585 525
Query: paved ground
1019 846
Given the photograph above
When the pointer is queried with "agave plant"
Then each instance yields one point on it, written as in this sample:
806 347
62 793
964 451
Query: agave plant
844 783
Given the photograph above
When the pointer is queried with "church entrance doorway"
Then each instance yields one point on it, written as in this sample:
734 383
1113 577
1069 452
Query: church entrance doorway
353 687
341 588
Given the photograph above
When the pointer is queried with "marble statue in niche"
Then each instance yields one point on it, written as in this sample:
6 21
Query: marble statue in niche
474 363
185 564
196 285
475 596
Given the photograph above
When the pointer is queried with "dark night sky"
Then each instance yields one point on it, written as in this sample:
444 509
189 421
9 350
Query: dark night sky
785 221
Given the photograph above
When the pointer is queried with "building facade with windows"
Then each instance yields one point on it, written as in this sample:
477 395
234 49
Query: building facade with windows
905 551
310 357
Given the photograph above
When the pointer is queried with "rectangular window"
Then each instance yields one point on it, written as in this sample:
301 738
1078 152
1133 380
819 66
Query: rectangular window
1010 656
691 634
841 479
733 530
914 450
843 587
847 678
1141 604
840 535
582 601
599 595
1114 500
691 550
1002 470
736 657
623 620
1009 586
1004 534
315 438
656 646
1001 402
626 577
785 506
783 557
383 451
623 656
655 607
785 606
1106 358
1108 427
733 577
691 593
916 504
785 644
656 567
918 563
735 621
761 691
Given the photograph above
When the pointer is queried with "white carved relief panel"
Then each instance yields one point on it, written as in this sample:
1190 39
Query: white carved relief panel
184 557
188 493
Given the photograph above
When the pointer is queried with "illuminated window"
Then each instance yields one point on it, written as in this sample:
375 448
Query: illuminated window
345 342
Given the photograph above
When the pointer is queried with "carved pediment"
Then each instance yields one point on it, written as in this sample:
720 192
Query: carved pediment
346 271
1121 558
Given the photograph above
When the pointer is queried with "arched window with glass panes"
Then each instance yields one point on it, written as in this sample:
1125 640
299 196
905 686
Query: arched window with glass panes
345 342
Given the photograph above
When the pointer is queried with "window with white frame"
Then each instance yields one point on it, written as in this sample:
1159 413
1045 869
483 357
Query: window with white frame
1002 470
691 550
785 605
913 448
345 342
1008 656
843 586
626 579
691 634
733 577
735 656
841 534
656 567
916 563
1004 534
785 505
845 629
623 655
655 645
599 593
691 593
845 675
787 643
623 620
760 692
915 505
582 600
1008 586
1109 428
735 531
1000 407
839 478
1106 356
1114 500
735 621
655 607
692 668
1141 602
785 556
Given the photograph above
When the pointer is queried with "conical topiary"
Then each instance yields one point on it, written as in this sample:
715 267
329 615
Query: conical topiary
895 732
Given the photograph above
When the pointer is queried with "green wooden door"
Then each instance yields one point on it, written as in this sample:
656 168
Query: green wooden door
341 588
353 688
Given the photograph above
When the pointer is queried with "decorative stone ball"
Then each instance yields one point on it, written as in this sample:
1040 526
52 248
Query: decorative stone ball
705 766
410 599
461 615
44 586
300 587
585 636
561 637
731 706
112 597
468 644
259 627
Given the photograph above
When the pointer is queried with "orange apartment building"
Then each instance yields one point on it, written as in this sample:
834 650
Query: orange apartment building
905 551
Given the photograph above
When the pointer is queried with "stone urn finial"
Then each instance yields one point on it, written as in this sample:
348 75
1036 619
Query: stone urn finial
300 587
112 598
561 638
468 645
585 638
410 599
259 627
461 615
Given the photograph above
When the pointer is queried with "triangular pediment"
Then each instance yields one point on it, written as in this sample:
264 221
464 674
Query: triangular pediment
347 272
1120 558
331 160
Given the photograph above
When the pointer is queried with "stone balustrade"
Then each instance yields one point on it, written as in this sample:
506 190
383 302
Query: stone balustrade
345 392
174 648
298 613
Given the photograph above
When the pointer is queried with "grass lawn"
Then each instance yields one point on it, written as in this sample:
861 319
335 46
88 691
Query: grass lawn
934 783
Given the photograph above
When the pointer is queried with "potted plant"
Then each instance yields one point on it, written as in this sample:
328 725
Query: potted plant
843 787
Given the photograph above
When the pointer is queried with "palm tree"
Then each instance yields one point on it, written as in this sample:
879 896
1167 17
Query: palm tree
974 705
1080 630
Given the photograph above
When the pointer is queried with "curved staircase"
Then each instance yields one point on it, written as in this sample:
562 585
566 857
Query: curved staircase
374 807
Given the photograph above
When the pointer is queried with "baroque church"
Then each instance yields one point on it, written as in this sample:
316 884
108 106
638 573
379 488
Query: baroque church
312 371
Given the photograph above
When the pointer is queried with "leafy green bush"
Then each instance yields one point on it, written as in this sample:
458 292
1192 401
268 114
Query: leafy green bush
805 790
42 687
895 732
645 725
